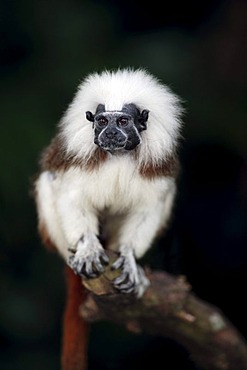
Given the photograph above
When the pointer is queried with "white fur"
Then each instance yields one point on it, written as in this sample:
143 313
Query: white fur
71 202
133 208
114 89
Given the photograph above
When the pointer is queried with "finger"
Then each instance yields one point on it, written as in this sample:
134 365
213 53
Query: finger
120 279
89 271
127 286
118 263
104 258
98 266
128 291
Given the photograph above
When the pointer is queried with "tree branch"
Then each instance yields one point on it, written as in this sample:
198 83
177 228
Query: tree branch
169 308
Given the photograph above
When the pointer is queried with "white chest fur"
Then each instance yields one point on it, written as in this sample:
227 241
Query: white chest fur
116 185
70 204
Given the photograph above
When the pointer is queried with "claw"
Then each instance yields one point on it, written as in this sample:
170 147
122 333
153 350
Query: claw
129 285
98 266
132 279
128 291
104 258
118 263
89 258
88 270
121 278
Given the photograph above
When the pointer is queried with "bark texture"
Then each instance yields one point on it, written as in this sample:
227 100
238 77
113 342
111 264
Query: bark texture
170 309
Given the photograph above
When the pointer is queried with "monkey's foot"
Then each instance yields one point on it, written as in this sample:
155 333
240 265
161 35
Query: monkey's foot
89 258
132 278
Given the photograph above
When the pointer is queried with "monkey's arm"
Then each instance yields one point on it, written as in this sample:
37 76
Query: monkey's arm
70 222
137 235
80 224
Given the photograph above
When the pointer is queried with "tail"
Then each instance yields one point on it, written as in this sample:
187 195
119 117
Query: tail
75 329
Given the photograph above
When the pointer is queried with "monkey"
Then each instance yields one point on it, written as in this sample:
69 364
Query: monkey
108 178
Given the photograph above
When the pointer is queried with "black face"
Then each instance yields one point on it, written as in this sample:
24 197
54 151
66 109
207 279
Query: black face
115 130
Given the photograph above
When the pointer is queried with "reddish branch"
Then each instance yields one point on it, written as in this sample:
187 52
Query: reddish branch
169 308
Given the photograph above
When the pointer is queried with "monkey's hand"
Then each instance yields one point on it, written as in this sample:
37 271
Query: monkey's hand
132 279
89 257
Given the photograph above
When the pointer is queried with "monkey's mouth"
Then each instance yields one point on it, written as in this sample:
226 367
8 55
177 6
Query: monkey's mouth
111 145
117 144
112 148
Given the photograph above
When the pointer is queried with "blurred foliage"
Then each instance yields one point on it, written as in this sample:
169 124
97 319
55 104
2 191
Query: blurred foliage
46 49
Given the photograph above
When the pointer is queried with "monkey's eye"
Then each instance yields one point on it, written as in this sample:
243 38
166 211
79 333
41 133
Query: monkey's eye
123 121
102 121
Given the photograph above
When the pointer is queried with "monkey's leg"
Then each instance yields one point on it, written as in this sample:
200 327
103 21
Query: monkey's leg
71 224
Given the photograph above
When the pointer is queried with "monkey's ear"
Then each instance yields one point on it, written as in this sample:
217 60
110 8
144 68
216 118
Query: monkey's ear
144 114
143 117
90 116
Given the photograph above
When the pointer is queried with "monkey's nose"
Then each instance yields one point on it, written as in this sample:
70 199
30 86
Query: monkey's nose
111 134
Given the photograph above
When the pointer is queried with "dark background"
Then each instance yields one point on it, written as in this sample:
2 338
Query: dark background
196 48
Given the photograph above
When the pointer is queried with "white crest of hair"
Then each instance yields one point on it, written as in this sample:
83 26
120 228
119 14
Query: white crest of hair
114 89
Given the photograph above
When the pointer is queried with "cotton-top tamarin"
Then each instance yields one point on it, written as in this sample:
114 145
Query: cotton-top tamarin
109 174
